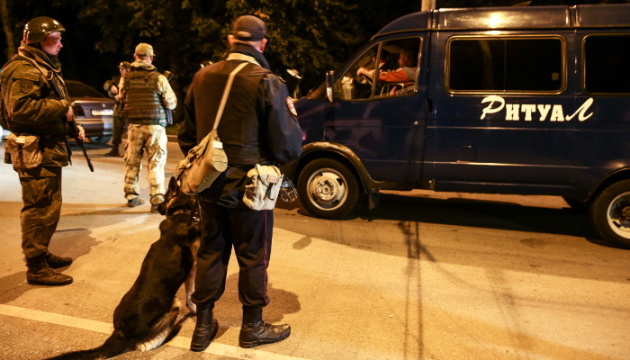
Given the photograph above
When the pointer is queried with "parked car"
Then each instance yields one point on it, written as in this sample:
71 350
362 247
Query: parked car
93 110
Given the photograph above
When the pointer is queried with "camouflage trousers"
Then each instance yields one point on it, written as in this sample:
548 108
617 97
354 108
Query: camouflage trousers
42 208
151 138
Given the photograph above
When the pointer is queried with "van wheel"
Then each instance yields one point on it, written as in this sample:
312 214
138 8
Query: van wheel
610 214
328 189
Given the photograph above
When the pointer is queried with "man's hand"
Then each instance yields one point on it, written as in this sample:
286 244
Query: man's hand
70 114
81 132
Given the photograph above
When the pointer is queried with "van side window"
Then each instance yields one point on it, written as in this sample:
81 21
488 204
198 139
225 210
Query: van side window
387 69
607 63
505 64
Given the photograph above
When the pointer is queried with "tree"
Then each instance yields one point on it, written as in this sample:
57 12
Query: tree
310 36
6 27
186 32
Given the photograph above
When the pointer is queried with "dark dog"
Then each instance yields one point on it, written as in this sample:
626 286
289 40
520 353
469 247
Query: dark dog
176 201
146 314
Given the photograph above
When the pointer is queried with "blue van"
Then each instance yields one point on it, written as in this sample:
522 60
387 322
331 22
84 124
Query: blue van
510 100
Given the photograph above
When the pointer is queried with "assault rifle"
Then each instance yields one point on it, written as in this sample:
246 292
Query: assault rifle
74 130
169 112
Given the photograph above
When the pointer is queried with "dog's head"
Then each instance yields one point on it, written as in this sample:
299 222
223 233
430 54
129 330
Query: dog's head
180 228
182 215
175 201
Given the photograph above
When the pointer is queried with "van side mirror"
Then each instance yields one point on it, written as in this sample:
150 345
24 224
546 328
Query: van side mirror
330 79
293 83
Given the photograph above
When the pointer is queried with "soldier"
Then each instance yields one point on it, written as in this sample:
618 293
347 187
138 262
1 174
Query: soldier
144 109
34 96
112 88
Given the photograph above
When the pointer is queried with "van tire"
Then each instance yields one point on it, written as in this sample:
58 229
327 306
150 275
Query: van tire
606 214
328 189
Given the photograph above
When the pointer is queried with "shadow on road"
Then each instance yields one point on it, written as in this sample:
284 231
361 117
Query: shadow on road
500 215
480 213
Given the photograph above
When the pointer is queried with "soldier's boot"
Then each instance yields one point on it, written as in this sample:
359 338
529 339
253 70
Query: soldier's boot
156 201
40 273
57 262
205 329
255 331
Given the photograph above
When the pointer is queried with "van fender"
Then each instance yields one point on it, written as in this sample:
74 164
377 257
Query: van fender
316 150
621 173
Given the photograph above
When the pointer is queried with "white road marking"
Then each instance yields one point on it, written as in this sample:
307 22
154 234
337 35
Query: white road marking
181 342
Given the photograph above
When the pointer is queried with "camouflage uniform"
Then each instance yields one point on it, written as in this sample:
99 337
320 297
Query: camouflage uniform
144 110
34 107
151 138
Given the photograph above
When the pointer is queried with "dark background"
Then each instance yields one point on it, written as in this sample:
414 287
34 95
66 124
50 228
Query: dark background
312 37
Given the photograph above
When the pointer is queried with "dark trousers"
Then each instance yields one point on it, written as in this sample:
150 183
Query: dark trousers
42 208
250 233
118 128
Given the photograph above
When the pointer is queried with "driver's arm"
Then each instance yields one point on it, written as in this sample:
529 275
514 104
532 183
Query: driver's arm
365 71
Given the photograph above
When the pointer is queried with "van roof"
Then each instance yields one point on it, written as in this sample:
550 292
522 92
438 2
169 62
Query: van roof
514 17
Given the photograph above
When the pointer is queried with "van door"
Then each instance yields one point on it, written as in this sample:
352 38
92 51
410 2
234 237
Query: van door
602 141
378 112
504 120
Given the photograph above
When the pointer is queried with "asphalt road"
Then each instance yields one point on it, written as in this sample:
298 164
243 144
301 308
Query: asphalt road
423 276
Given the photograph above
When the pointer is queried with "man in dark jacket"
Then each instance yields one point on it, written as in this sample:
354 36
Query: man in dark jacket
258 126
111 86
35 99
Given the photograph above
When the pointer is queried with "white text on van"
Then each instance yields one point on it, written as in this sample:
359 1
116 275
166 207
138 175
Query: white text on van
552 112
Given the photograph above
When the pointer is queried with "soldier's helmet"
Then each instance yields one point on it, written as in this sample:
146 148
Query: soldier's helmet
36 30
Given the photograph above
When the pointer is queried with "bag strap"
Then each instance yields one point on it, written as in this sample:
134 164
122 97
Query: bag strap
226 92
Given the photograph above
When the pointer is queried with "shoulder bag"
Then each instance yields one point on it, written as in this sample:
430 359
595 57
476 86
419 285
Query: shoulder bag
206 161
23 151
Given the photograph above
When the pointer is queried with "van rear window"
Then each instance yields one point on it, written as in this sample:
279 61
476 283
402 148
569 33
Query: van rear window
606 61
505 64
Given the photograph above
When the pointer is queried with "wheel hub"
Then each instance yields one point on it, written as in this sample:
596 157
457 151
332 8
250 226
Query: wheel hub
327 188
619 216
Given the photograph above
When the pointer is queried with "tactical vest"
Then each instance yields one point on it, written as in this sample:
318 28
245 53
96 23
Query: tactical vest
142 103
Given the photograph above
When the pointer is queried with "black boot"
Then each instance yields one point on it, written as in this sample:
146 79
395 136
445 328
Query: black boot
40 273
206 328
113 152
255 331
57 262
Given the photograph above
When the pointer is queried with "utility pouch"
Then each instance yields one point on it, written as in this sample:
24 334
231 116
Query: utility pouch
23 150
263 187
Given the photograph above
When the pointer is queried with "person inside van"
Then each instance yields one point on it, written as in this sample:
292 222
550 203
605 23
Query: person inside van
403 76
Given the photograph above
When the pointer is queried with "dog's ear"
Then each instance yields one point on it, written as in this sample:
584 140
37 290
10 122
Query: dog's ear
172 185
